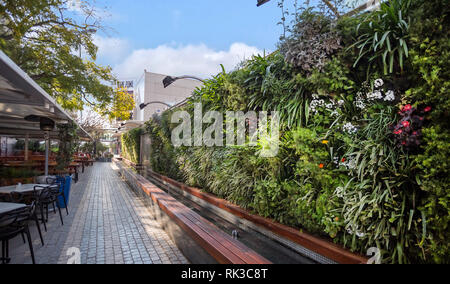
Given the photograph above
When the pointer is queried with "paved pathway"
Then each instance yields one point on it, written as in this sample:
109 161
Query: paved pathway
108 224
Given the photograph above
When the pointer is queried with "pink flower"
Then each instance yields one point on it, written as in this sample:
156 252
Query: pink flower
398 132
406 124
428 109
415 133
407 108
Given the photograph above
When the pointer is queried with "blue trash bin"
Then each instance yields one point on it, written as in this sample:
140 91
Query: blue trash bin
65 183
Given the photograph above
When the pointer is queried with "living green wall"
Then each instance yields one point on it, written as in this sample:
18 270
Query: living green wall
364 148
131 145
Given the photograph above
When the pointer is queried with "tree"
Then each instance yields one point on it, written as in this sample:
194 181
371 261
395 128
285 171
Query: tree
123 104
92 122
46 37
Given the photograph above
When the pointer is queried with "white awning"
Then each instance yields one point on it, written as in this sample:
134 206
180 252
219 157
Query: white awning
20 97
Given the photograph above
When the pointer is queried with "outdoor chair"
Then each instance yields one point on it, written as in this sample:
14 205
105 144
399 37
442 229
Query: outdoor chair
13 224
47 196
54 181
18 197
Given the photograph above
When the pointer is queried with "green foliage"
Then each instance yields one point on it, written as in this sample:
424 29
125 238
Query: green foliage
312 41
44 36
162 153
381 211
384 36
302 198
68 139
434 180
340 172
11 173
33 146
131 145
430 57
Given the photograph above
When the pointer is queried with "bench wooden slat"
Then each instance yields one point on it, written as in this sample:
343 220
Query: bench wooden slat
218 244
318 245
245 253
212 246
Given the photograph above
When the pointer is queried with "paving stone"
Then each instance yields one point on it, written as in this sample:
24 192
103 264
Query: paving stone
108 223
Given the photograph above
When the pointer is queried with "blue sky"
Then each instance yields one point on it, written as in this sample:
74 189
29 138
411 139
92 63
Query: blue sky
217 23
184 36
178 37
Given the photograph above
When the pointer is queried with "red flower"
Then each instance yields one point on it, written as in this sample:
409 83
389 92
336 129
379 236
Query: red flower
398 132
428 109
343 160
404 143
415 133
407 108
321 166
406 124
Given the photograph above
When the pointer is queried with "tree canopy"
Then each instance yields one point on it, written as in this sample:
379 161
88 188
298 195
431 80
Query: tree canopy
46 37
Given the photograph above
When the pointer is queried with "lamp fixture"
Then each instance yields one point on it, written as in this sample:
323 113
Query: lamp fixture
46 124
261 2
169 80
142 106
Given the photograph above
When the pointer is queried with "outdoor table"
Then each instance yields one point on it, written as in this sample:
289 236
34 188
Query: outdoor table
25 188
72 166
21 165
6 207
84 163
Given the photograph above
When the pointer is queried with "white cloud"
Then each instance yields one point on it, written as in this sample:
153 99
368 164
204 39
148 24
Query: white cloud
199 60
111 49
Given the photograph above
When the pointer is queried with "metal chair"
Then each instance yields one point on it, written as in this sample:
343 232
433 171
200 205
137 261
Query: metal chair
18 197
13 224
54 181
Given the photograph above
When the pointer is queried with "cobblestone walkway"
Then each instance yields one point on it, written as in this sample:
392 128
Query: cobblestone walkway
108 225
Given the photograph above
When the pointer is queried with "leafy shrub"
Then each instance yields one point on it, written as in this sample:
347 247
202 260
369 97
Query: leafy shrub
312 41
384 36
408 130
341 172
434 181
68 139
131 145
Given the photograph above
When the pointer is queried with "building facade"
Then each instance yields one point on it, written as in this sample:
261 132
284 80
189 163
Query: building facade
150 88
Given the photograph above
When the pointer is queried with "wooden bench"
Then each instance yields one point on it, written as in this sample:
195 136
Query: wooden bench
313 243
221 246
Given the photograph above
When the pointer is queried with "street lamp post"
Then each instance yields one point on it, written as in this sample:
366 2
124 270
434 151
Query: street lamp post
144 105
169 80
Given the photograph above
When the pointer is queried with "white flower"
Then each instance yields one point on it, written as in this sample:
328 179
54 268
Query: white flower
377 95
390 96
315 104
341 102
379 83
360 104
350 128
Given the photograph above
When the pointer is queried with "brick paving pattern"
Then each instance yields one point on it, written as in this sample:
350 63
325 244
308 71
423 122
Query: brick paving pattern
108 224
